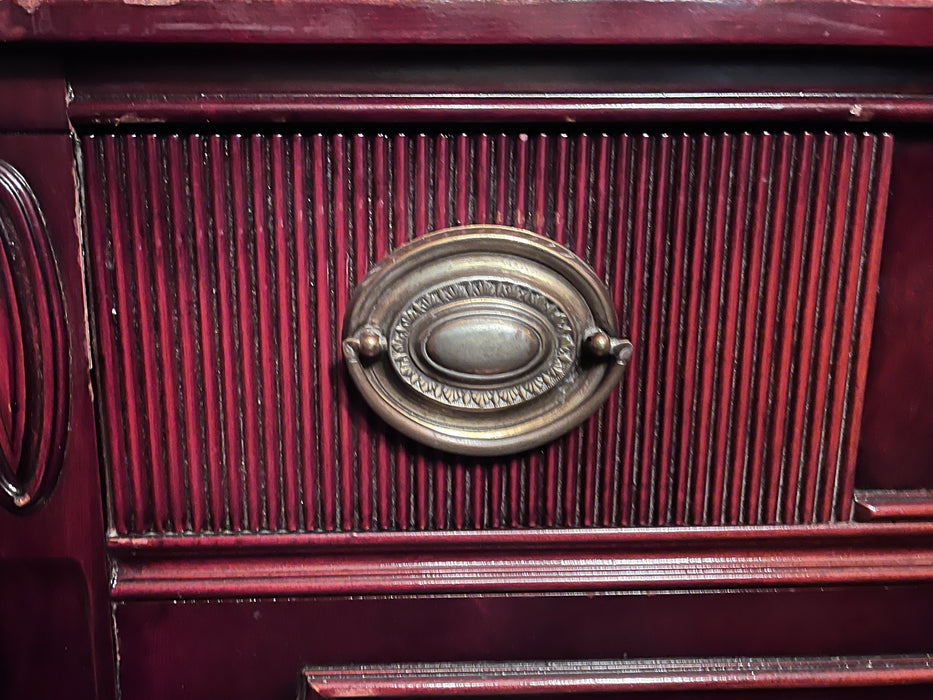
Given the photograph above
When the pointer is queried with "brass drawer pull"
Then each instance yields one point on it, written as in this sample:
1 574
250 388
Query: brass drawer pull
483 340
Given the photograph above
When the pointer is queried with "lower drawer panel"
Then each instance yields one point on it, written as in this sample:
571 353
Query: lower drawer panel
258 649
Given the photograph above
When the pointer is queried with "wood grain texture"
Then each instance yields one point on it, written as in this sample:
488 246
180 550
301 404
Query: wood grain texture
599 676
744 267
812 22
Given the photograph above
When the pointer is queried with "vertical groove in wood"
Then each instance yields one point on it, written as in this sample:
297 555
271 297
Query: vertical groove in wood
326 456
739 480
246 333
204 336
442 473
802 387
306 338
420 226
343 274
824 374
847 300
360 184
140 233
282 219
616 267
594 436
791 302
656 256
744 268
870 258
769 297
668 477
101 261
124 293
190 387
729 329
166 301
693 330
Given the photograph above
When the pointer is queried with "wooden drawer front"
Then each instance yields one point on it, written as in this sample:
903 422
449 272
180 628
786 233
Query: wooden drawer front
744 267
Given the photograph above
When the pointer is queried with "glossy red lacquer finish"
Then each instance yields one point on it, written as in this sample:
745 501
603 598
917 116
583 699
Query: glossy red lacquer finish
227 613
738 264
610 677
814 22
258 649
897 446
54 615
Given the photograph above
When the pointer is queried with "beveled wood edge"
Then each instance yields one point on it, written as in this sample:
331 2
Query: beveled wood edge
382 564
879 506
800 22
90 108
593 539
612 676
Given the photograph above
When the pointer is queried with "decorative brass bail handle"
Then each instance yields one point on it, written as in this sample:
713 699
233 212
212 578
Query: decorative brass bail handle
370 344
601 345
483 340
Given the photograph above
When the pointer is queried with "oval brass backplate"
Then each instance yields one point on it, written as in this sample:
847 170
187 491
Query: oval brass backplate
483 340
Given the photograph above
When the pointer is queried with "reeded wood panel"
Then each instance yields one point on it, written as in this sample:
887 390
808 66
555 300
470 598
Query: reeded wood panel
744 267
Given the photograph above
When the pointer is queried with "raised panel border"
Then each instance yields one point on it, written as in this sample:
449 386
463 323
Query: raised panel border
612 676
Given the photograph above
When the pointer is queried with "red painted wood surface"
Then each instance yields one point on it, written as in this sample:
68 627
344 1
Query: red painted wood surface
812 22
45 630
32 91
251 649
54 615
887 506
896 450
517 561
743 267
165 233
500 85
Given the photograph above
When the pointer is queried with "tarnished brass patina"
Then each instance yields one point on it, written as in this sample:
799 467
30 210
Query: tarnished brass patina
483 340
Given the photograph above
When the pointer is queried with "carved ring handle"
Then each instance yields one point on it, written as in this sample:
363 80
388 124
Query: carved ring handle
483 340
34 381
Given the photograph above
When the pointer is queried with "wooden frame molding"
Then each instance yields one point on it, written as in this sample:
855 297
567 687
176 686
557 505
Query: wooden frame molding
812 22
574 560
128 106
878 506
613 676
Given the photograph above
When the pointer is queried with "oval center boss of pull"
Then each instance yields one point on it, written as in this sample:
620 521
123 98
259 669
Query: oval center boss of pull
481 344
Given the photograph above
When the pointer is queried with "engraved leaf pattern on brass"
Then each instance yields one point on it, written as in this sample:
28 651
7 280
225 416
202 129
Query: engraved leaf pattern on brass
483 398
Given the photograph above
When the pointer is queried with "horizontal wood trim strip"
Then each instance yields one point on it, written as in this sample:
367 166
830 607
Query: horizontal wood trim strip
791 537
613 676
873 506
200 570
812 22
127 107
